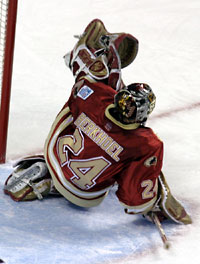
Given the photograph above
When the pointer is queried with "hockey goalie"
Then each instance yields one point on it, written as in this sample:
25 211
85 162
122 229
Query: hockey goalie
99 137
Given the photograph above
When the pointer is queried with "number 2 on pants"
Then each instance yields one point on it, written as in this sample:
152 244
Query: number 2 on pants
85 171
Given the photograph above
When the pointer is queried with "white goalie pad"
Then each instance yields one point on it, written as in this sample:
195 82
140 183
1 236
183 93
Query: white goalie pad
29 183
169 205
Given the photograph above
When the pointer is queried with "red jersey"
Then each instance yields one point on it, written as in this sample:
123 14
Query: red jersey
88 150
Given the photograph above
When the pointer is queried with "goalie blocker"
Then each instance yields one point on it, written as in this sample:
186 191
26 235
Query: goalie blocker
167 206
31 180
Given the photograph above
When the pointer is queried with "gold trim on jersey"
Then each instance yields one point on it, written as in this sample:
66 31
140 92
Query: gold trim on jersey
138 209
118 123
70 196
68 190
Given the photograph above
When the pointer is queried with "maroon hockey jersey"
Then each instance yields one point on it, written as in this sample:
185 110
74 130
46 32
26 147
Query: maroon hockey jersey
88 150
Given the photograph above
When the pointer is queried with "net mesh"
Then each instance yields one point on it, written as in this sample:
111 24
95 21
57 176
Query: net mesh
3 23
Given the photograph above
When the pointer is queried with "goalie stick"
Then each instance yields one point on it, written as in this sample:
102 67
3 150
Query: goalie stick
156 221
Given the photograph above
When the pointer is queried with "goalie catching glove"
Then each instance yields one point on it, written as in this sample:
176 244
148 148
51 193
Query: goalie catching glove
101 55
30 180
167 207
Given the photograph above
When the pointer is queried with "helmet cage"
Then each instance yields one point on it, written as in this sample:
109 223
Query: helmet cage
135 103
145 100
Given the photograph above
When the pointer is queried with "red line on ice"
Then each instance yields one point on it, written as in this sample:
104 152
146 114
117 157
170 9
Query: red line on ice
161 115
176 110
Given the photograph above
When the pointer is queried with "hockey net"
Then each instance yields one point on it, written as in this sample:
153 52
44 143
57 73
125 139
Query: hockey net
8 13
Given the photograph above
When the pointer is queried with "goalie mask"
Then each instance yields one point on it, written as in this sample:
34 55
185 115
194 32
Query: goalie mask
135 103
101 55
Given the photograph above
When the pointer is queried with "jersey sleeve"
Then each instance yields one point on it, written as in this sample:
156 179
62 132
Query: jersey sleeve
137 184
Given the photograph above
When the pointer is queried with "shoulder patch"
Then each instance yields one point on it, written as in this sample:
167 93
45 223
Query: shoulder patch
152 161
85 92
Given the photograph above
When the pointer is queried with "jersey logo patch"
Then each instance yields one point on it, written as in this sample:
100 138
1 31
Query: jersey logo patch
85 92
152 161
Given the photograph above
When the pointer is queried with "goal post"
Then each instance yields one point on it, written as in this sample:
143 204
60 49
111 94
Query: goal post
8 15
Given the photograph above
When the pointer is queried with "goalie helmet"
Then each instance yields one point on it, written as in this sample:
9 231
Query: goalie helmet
101 55
135 103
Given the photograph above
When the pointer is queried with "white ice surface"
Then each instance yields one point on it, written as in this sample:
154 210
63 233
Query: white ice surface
53 231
